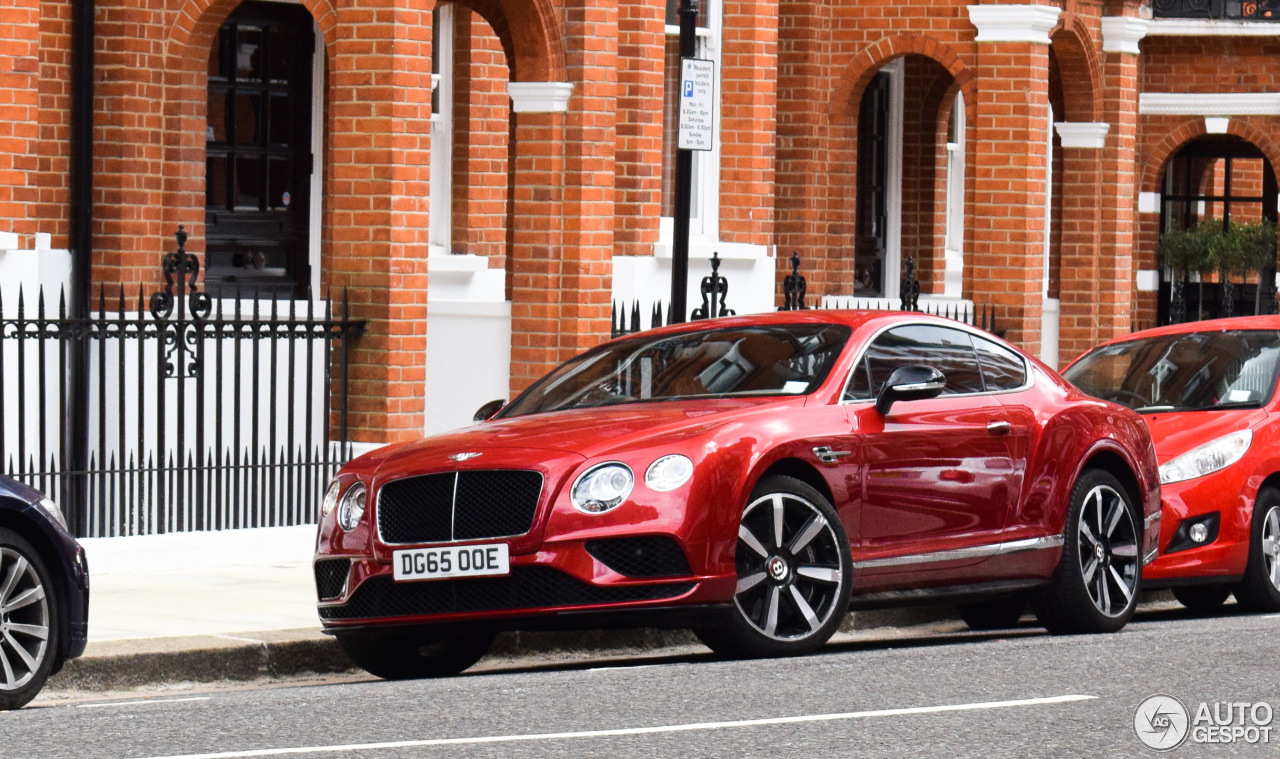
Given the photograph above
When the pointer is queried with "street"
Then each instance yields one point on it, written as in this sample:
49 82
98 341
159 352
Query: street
1019 694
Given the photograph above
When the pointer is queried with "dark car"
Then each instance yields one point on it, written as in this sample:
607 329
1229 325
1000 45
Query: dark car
750 478
44 593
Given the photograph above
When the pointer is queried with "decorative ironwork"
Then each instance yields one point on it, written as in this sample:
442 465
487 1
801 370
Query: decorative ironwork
1236 10
793 287
910 286
181 332
1228 297
714 290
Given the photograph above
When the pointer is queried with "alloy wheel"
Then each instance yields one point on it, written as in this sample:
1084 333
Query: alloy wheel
24 620
789 569
1271 545
1108 550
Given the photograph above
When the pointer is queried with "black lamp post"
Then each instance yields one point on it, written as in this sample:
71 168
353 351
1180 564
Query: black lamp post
684 180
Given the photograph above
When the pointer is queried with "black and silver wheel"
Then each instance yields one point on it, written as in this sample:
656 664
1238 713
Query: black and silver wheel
400 656
28 635
1202 597
1260 588
793 567
1095 588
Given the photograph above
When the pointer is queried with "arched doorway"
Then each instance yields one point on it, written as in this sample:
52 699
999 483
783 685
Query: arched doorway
258 152
1217 178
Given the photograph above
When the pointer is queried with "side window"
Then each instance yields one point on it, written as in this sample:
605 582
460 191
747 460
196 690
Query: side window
1002 369
950 351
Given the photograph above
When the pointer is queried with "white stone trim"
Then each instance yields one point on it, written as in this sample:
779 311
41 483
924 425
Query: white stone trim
1147 280
1204 27
1209 104
1148 202
1121 34
1014 23
1216 124
539 97
1091 135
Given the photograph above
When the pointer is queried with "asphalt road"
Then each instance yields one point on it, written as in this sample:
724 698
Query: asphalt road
1020 694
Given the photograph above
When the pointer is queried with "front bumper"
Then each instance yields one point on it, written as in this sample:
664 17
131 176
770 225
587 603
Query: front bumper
559 585
1230 494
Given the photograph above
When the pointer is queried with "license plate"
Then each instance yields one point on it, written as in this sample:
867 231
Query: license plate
451 561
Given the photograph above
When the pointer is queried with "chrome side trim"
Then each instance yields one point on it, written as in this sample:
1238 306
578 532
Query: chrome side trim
960 554
1150 557
1151 519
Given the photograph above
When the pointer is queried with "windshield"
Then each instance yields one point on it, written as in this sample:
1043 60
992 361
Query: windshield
1197 371
791 359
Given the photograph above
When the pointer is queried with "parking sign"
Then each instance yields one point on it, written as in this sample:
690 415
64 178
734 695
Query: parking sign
697 104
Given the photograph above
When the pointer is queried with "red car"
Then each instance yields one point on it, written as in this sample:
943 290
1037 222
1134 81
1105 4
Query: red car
745 477
1207 391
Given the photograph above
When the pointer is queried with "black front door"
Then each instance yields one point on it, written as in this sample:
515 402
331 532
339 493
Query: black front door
258 153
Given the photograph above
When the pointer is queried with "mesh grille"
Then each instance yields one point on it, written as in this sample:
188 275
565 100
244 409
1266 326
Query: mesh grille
524 588
438 508
495 503
655 556
416 509
331 577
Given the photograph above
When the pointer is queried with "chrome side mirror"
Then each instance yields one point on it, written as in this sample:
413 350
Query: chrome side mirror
488 410
910 383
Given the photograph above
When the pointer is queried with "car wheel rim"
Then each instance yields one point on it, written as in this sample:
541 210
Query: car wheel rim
1271 545
24 620
789 567
1108 551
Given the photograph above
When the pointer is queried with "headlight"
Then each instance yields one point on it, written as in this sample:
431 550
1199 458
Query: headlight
602 487
1208 458
668 473
352 507
53 511
330 498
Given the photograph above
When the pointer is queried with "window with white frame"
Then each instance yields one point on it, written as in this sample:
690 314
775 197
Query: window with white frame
704 206
440 232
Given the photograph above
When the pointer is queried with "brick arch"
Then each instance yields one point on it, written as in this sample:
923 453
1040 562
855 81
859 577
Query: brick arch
1193 128
1079 68
198 22
865 64
531 34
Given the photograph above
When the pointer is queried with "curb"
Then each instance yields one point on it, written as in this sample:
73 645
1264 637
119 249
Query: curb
125 664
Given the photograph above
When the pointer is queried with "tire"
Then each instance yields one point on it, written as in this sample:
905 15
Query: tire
1202 597
397 656
794 574
1260 589
1095 587
28 622
993 614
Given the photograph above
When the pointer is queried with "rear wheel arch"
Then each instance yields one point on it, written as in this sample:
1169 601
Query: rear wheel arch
1113 463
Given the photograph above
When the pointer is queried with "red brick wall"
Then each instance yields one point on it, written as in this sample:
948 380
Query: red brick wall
482 111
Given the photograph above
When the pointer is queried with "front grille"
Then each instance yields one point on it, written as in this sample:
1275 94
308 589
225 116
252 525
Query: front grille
652 556
472 505
331 577
524 588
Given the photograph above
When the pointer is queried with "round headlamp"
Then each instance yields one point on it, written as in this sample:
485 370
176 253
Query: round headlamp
668 473
352 507
330 499
602 488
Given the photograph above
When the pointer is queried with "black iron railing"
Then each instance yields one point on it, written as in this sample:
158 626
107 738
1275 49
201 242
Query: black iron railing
203 414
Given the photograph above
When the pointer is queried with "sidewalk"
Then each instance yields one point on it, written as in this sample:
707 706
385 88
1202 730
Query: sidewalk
208 606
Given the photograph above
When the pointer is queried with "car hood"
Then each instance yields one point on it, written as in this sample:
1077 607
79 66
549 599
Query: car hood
1175 433
590 431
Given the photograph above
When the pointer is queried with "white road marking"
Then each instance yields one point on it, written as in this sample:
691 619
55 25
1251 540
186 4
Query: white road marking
632 730
105 704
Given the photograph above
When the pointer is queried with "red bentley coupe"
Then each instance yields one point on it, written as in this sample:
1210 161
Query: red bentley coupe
1207 390
745 477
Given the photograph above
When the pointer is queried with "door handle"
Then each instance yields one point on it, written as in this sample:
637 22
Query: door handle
999 428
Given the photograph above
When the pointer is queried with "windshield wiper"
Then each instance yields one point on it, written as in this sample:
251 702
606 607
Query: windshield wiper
1153 409
1228 405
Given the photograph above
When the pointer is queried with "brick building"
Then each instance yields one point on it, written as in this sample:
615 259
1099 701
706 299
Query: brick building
497 172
